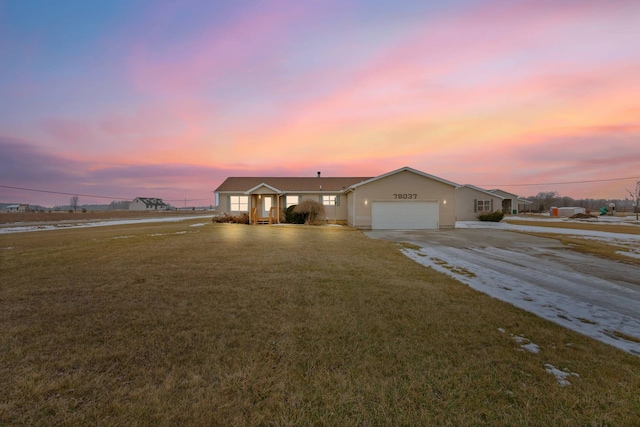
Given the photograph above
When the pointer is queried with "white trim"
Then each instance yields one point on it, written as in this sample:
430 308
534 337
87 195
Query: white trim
275 190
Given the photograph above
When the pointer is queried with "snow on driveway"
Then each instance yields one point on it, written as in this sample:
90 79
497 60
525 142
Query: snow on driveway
596 297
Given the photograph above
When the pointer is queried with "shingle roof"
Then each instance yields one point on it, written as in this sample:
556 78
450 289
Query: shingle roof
151 201
290 184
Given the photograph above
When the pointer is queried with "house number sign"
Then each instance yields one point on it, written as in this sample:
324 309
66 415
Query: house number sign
405 196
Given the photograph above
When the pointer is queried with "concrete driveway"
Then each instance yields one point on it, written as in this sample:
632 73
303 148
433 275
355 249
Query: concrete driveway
593 296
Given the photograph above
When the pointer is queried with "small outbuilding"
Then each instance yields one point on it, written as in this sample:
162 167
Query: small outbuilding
567 211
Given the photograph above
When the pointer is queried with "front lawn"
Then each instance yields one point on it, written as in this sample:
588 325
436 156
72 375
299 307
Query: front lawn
200 324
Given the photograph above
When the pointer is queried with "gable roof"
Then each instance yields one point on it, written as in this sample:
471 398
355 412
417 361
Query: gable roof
482 190
275 190
288 184
508 195
404 169
151 201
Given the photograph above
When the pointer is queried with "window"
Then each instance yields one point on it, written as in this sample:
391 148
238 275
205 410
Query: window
330 200
293 200
483 205
239 203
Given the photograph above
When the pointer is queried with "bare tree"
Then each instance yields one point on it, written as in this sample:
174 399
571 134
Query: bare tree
546 199
74 203
635 198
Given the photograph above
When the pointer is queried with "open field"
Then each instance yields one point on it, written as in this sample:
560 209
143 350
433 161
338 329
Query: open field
50 217
190 323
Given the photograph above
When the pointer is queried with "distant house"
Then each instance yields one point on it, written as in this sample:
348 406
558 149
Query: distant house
18 208
147 204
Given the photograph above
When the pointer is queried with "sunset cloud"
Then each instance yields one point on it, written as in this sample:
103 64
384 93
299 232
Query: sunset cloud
173 97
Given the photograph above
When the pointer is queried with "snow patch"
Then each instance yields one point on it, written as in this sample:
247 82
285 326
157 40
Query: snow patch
511 277
527 345
561 376
197 225
629 254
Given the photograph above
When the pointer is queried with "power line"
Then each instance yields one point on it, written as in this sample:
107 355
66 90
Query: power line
90 195
559 183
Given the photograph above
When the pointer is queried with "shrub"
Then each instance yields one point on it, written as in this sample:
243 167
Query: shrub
311 210
293 217
242 218
491 216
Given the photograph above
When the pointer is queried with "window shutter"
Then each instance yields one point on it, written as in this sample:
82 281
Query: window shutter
337 200
491 204
228 203
475 205
320 199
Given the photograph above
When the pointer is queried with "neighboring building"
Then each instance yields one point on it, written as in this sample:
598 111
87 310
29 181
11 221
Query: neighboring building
512 203
23 207
472 201
567 211
402 199
147 204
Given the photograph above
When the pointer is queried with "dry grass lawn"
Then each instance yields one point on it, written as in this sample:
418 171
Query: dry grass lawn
168 324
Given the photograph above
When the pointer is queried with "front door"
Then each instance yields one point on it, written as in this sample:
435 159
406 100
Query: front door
267 203
506 206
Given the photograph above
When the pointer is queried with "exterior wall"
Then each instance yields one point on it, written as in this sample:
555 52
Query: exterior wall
402 183
333 213
137 205
465 203
570 211
223 203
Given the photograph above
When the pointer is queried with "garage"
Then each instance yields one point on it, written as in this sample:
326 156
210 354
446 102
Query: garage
405 215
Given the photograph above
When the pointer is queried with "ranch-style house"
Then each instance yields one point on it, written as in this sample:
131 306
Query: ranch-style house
405 199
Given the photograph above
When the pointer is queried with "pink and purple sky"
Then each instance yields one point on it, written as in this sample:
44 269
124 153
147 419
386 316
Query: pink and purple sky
166 99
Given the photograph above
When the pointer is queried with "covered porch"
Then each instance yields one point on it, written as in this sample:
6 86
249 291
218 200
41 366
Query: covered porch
265 205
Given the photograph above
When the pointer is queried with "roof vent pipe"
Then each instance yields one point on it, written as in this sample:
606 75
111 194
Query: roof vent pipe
318 174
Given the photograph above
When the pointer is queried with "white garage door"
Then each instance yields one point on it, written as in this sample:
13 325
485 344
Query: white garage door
404 215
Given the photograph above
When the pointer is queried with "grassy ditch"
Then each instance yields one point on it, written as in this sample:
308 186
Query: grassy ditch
608 250
172 324
594 226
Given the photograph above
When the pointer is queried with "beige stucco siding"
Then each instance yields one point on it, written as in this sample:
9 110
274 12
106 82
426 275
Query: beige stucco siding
402 186
333 212
466 201
223 203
